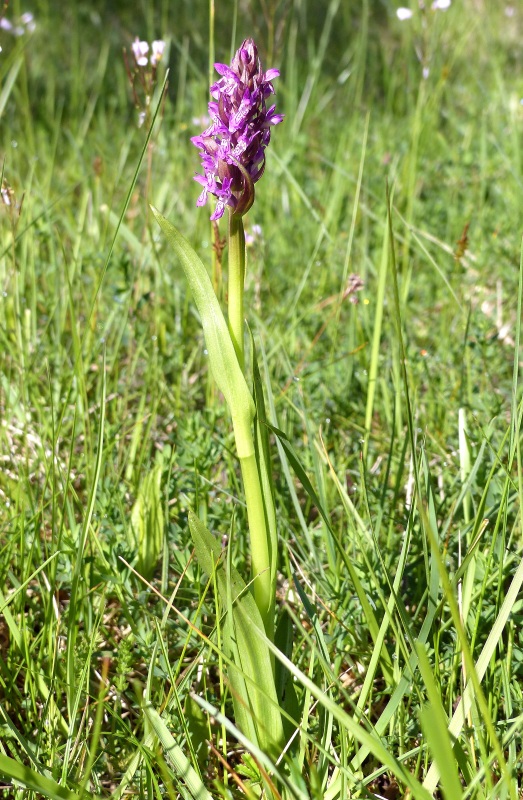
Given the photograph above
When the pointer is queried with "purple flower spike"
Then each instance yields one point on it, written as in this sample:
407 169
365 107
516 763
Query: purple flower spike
232 148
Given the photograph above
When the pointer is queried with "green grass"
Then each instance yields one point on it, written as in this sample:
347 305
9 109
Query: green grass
399 485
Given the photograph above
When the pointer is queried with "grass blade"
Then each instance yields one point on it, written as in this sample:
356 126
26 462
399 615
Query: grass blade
176 756
434 724
35 782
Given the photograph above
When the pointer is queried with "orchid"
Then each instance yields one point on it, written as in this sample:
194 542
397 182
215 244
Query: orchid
232 151
232 147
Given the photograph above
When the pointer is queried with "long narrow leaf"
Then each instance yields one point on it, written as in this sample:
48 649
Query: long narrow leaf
489 648
176 756
434 723
307 485
353 726
222 357
37 783
263 460
251 677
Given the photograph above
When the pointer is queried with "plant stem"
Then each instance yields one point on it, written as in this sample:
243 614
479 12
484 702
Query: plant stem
259 540
236 284
261 563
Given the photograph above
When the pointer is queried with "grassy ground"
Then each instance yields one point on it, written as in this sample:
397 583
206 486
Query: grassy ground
404 409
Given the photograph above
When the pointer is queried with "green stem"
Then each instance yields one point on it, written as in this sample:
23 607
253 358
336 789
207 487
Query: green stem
259 539
259 532
236 284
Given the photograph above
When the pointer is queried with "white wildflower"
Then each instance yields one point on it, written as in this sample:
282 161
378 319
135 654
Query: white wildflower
140 50
158 46
26 24
28 20
403 13
255 234
201 122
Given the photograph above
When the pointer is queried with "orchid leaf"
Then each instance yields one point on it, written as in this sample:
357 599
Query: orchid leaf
147 522
251 674
263 459
222 356
176 756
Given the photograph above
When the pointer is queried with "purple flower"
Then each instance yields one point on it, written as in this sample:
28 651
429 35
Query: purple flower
232 148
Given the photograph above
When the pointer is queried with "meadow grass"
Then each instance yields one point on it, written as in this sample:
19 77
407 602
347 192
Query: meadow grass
397 466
